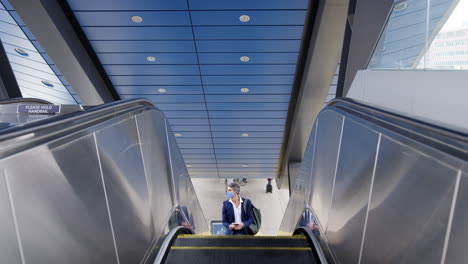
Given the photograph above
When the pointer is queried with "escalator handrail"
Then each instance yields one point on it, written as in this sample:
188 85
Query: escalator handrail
315 243
441 138
16 139
167 243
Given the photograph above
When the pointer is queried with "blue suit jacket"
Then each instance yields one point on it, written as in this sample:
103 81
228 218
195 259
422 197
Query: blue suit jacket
229 218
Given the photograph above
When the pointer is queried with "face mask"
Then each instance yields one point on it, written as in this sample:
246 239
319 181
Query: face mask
230 194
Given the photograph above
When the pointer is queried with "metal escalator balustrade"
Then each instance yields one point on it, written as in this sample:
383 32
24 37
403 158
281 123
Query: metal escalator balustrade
105 185
240 249
376 187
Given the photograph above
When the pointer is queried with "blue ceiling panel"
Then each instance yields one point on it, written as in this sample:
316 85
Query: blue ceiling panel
249 114
189 121
247 128
186 114
246 4
244 156
247 175
251 32
191 128
247 151
256 161
93 5
247 140
254 58
248 146
186 140
196 151
247 169
232 166
247 69
248 45
247 106
248 79
183 107
201 156
248 121
204 169
253 89
150 18
196 146
152 69
200 134
138 33
247 98
40 66
32 55
155 80
141 58
131 89
198 160
264 17
162 98
12 29
250 134
143 46
6 17
16 41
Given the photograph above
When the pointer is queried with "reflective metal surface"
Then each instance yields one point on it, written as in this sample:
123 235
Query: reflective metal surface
398 194
99 186
351 191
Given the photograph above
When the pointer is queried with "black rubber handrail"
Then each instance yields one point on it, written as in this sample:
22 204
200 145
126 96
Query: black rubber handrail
441 138
23 100
16 139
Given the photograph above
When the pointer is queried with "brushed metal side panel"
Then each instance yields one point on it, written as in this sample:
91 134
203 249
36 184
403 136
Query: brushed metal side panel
152 133
60 204
187 198
324 164
409 208
9 251
351 192
127 190
456 250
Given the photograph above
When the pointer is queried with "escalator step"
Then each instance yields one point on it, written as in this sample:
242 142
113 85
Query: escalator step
236 255
241 241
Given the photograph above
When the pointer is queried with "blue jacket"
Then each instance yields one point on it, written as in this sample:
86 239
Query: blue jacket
229 218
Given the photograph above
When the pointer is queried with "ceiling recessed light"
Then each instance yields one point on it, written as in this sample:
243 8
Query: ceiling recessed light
162 90
137 19
188 165
177 134
244 59
151 58
400 6
21 52
244 18
48 84
245 90
245 165
245 135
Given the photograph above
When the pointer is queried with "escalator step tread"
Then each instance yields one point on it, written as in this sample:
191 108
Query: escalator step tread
240 255
232 241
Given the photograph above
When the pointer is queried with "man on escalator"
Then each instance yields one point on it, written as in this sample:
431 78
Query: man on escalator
236 216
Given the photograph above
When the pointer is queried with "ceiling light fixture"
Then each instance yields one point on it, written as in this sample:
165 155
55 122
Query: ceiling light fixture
400 6
21 52
245 90
137 19
151 58
244 59
245 165
188 165
244 18
48 84
245 135
177 134
162 90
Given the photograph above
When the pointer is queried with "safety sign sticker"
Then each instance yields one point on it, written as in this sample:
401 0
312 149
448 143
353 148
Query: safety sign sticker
38 109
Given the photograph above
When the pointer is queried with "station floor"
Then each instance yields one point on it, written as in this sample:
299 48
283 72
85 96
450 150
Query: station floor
211 194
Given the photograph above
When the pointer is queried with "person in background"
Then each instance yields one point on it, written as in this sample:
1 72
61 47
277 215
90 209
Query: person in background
235 218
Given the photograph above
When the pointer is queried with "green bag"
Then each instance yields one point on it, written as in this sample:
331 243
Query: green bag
257 218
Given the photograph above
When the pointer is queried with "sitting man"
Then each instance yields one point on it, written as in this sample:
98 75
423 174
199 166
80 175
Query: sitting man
235 218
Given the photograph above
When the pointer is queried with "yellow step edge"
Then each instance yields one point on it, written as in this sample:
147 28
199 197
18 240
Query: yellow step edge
240 248
243 237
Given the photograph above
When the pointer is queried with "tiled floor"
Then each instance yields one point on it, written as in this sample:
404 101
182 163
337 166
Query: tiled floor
211 194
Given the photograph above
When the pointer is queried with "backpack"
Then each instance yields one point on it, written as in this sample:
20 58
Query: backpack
257 219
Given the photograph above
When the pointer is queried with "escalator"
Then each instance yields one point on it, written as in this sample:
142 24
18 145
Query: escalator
240 249
109 185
